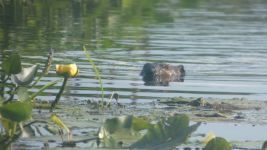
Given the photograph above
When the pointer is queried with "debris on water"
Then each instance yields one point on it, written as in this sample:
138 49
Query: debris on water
216 114
68 144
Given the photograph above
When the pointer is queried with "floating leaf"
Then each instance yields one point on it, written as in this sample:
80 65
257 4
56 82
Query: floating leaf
138 133
26 76
167 133
218 143
124 128
17 111
58 122
12 64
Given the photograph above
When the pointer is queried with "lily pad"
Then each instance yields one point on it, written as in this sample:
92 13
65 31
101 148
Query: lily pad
123 128
17 111
218 143
135 133
167 133
26 76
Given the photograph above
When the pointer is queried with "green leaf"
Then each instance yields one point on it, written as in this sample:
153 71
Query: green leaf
1 100
167 133
43 88
12 64
136 132
58 122
123 128
97 73
17 111
218 143
26 76
264 146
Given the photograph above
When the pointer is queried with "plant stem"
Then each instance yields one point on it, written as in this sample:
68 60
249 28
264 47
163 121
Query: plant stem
47 66
96 73
59 94
43 88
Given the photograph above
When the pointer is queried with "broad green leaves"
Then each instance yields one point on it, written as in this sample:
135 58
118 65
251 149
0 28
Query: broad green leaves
12 64
218 143
17 111
138 133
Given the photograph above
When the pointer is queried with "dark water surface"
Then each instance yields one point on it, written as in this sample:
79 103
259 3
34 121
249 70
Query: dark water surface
222 44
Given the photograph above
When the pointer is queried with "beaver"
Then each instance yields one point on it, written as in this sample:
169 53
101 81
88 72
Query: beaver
162 74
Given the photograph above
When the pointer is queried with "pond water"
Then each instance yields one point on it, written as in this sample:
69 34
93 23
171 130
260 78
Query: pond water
222 45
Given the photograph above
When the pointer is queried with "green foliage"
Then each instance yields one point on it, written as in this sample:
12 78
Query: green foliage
59 122
12 64
43 88
264 145
14 112
96 71
165 134
17 111
218 143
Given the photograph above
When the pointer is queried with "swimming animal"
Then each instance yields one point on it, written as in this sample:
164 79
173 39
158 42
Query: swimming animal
162 74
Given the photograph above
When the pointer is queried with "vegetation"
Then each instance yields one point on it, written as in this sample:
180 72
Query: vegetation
165 134
14 112
98 76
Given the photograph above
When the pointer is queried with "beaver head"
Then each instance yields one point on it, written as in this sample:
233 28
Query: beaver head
162 73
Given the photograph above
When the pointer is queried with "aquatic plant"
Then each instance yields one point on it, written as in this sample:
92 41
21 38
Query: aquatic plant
61 126
13 112
139 133
264 145
67 71
218 143
97 73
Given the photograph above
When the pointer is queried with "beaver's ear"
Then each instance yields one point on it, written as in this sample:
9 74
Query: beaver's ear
181 67
182 70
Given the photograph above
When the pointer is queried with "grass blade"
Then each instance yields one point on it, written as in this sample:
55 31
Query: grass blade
96 72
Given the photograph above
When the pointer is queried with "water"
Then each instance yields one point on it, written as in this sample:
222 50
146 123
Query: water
221 44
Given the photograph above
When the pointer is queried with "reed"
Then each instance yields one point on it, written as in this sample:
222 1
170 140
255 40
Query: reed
97 73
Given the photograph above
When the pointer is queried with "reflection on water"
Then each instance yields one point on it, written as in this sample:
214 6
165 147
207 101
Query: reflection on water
222 44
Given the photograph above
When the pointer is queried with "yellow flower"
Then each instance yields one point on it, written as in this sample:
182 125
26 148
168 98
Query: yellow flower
70 70
208 137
